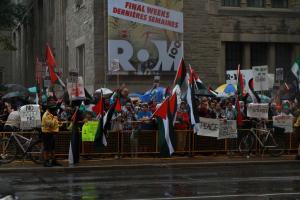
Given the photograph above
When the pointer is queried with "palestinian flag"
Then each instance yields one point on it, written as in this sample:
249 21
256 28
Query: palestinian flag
240 83
104 121
190 98
296 70
173 107
165 128
199 85
51 64
100 138
254 96
74 153
240 94
181 74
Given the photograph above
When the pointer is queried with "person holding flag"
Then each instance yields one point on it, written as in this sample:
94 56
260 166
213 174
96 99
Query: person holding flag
50 128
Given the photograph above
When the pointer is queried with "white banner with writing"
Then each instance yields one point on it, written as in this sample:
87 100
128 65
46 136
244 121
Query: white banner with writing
209 127
258 110
30 117
147 14
284 121
260 78
228 129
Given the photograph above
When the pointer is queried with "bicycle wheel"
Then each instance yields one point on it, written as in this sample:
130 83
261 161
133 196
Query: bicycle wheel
8 150
276 145
35 152
246 144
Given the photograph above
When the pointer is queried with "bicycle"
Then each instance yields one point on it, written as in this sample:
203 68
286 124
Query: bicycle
28 147
268 139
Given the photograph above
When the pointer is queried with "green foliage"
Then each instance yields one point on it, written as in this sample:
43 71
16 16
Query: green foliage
10 15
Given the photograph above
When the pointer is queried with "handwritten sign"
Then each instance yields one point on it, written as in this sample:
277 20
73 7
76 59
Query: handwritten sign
285 122
228 129
260 78
258 110
89 131
209 127
30 117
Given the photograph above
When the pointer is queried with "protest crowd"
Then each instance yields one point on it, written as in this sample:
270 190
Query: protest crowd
183 108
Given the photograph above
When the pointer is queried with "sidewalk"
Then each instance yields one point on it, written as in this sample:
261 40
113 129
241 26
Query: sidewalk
28 166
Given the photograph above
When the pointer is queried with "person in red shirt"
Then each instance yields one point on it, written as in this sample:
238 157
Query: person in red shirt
182 126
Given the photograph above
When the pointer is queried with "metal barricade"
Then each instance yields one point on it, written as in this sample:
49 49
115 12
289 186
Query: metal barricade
145 143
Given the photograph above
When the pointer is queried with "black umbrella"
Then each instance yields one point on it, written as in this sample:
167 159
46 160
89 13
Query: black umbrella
13 95
9 88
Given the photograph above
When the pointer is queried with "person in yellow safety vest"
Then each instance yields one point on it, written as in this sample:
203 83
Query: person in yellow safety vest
50 128
297 131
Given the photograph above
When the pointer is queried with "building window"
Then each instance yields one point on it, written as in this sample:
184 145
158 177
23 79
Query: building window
80 60
280 3
234 55
255 3
231 3
283 57
259 54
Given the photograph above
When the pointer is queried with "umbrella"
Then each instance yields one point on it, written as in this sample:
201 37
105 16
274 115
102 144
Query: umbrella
13 88
226 88
263 99
204 92
105 91
32 89
12 95
135 95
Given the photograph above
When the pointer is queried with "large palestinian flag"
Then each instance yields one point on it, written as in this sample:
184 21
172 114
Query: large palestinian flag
190 98
51 64
104 120
165 128
100 138
240 94
181 74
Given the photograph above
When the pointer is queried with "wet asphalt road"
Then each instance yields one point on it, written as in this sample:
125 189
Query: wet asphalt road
278 181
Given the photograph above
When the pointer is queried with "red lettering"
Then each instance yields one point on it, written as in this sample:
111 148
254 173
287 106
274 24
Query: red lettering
115 10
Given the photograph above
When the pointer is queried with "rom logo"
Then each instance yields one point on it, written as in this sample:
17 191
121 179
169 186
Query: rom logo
168 58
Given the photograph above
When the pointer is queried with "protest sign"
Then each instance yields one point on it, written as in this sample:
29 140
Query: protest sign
30 117
279 74
75 87
89 131
258 110
260 78
284 121
209 127
228 129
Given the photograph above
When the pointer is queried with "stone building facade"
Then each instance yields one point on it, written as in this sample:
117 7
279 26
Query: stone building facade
218 35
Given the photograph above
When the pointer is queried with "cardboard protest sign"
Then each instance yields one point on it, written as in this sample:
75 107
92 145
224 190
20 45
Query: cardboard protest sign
260 78
75 87
30 117
89 131
258 110
209 127
228 129
284 121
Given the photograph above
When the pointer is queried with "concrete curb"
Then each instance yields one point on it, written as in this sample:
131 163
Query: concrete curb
137 165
